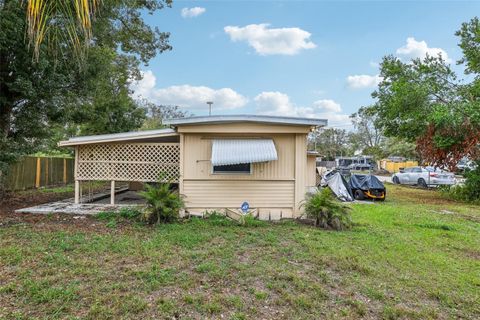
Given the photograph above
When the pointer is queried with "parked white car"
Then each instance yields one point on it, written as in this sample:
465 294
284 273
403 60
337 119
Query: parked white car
465 165
424 177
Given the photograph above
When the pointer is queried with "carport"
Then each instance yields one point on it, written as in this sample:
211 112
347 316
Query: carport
143 156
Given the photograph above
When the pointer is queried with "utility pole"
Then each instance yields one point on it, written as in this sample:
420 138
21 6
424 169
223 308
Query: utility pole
209 107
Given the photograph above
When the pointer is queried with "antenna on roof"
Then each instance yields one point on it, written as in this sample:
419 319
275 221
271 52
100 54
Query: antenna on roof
209 107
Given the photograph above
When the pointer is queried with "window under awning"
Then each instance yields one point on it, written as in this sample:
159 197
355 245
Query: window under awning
236 151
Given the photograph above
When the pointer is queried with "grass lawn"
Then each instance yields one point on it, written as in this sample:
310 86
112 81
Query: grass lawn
416 256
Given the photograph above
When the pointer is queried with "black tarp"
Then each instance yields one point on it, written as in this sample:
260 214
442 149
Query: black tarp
365 182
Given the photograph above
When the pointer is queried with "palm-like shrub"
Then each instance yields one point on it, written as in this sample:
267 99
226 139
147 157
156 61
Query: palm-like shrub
327 211
163 203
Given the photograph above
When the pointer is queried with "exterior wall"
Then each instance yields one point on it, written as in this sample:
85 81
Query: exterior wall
232 193
311 171
300 172
198 152
275 188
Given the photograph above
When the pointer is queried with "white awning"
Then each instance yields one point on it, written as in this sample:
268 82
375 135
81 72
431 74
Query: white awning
236 151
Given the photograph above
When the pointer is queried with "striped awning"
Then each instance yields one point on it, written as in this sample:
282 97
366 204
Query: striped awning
236 151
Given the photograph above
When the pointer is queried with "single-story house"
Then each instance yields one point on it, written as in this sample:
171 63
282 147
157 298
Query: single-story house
219 162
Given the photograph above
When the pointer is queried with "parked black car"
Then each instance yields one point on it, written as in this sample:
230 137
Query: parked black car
367 186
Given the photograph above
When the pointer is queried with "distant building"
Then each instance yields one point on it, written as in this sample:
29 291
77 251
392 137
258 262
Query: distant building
343 162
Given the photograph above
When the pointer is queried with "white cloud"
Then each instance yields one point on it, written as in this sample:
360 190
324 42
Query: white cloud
187 96
279 104
192 12
363 81
419 49
143 87
274 103
327 105
269 41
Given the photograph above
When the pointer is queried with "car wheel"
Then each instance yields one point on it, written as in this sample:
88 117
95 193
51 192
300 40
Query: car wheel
396 180
422 183
359 195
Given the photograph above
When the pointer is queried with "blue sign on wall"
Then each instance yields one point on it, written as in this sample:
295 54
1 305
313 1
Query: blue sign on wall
245 206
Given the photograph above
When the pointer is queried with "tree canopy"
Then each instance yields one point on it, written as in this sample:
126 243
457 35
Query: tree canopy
331 142
156 114
423 101
45 99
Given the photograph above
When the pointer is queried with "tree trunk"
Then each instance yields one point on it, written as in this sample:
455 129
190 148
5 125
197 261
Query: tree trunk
6 98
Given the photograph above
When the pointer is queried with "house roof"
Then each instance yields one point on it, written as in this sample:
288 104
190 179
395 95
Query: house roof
124 136
246 118
151 134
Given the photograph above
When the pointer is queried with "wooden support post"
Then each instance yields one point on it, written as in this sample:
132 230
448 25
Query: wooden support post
181 167
38 173
64 171
112 193
77 192
77 182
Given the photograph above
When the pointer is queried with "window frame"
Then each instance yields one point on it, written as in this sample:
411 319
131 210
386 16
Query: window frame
232 172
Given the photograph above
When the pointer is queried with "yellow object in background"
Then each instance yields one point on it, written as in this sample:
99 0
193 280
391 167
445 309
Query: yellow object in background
393 167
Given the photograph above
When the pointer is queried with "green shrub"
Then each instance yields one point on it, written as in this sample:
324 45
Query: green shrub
106 215
129 213
250 221
163 203
116 216
327 211
111 224
217 219
470 191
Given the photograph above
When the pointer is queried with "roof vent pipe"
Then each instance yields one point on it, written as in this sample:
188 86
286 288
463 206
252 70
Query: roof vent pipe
209 107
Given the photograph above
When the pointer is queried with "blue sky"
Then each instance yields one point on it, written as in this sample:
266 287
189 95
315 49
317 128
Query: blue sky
291 58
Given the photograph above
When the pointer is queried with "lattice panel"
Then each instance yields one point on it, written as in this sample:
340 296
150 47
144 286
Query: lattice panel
129 162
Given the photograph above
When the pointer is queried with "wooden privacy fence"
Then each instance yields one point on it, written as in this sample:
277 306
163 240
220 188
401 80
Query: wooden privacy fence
36 172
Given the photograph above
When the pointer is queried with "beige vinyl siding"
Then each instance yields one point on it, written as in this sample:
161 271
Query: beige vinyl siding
198 152
232 193
300 171
311 170
276 188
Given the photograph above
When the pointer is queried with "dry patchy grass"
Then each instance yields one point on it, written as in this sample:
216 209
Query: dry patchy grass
405 258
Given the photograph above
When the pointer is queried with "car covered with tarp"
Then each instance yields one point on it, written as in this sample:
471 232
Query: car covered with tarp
367 186
339 186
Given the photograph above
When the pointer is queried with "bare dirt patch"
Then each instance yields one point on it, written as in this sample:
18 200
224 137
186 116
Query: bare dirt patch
54 222
17 200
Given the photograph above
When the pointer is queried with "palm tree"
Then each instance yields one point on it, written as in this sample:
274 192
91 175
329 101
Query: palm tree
65 21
